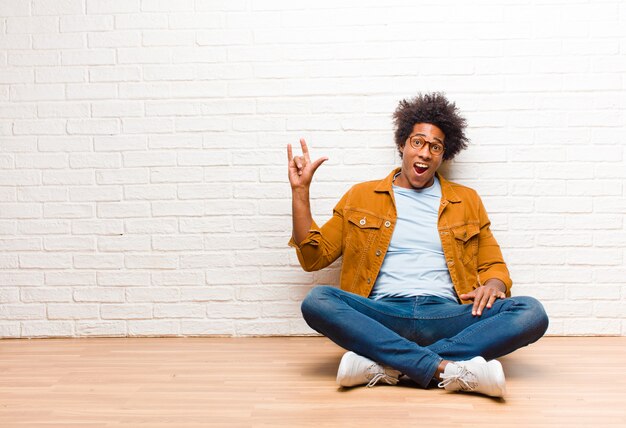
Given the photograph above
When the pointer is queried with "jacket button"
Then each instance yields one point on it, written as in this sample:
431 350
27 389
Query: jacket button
378 253
450 262
387 223
369 280
362 221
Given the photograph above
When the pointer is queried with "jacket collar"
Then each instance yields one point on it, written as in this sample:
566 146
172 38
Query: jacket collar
447 191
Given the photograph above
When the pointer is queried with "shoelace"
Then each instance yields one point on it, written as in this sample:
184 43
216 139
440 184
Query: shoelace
380 376
464 378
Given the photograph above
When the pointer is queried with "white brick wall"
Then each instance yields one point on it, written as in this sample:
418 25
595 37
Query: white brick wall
143 188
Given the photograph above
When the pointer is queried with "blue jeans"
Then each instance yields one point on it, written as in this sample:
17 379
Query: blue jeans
413 335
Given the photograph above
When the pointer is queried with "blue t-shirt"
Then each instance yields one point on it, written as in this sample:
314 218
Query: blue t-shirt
415 264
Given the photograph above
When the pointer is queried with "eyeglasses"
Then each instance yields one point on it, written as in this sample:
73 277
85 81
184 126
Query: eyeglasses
435 148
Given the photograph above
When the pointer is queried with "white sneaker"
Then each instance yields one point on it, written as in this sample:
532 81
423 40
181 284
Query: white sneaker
357 370
475 375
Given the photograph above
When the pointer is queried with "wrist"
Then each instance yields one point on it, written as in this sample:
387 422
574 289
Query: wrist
495 283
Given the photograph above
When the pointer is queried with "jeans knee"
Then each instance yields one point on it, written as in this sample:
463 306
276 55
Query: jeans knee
313 303
535 316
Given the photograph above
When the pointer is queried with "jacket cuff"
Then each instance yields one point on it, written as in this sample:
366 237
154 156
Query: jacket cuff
312 238
505 278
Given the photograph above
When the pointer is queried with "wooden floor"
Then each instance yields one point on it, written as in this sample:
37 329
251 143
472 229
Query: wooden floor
290 382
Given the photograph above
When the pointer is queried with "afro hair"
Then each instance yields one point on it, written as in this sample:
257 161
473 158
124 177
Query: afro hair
431 108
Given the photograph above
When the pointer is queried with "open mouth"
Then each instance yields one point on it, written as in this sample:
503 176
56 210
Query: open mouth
420 168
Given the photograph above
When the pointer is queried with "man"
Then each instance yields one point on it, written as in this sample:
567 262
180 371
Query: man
424 289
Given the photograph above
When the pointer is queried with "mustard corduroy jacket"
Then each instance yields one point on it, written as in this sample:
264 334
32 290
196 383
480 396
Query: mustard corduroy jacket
362 224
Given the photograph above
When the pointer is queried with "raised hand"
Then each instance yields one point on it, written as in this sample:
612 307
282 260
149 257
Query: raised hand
301 169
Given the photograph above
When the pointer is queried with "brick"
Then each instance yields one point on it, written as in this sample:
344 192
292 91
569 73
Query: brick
37 92
25 58
84 23
154 328
92 193
99 261
93 126
45 295
176 174
174 142
123 210
150 226
237 310
594 256
181 310
43 227
123 243
19 178
152 294
205 225
143 55
9 262
61 311
8 330
59 41
99 295
46 329
90 91
20 244
67 210
232 276
22 311
177 208
97 227
204 158
60 75
203 260
141 21
39 127
590 326
147 125
123 176
177 243
20 210
117 109
15 8
123 279
120 143
170 38
57 7
70 278
45 261
150 192
112 6
153 158
21 278
67 176
203 328
100 328
125 311
95 160
263 328
147 261
207 294
69 243
88 57
178 278
114 39
114 74
64 144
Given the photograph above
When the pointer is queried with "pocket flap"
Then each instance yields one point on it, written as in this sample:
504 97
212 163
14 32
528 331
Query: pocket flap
465 232
364 220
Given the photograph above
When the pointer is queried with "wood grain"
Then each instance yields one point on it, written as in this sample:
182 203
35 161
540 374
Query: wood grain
290 382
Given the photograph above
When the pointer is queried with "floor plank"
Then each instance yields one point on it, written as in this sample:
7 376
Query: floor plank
290 382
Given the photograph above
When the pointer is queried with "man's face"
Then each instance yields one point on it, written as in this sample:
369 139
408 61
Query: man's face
419 165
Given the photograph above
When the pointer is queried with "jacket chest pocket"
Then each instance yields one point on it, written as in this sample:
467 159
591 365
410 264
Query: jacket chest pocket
362 229
466 239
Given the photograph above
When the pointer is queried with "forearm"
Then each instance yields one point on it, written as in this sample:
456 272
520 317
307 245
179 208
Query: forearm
301 214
